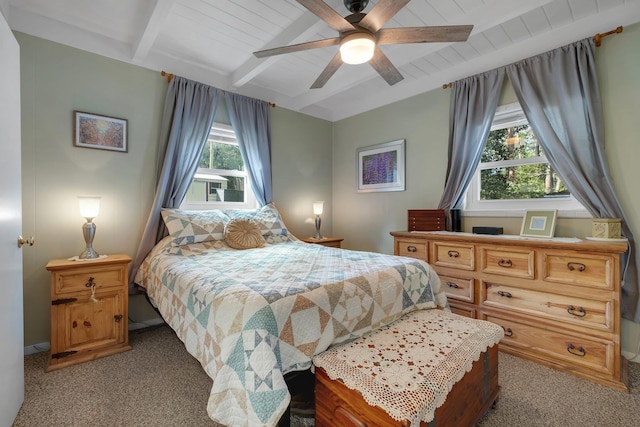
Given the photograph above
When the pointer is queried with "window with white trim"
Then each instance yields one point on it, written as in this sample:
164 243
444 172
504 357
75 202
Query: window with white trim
221 180
514 174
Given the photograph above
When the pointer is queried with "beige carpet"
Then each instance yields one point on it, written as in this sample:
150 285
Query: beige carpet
159 384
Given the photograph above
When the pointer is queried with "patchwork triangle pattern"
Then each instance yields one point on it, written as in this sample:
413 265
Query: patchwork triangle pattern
251 316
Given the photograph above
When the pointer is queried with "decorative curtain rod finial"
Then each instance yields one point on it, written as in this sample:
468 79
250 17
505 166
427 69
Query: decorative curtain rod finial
598 37
167 75
447 85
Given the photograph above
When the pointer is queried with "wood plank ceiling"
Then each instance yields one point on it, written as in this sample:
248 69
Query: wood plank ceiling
213 41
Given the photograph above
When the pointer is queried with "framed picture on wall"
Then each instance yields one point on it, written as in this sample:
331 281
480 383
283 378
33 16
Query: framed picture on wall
381 167
539 224
101 132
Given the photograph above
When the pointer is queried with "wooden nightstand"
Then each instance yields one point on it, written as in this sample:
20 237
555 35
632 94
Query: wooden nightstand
89 309
332 242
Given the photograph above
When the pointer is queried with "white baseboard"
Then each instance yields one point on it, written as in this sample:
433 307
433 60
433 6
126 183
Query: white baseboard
632 357
46 346
151 322
36 348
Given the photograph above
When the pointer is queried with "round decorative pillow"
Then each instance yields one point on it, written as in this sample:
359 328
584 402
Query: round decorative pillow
242 233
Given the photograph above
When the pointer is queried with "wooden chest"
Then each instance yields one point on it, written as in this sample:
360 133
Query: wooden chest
429 367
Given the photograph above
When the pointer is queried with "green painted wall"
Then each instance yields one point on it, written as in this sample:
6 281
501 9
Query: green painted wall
312 160
365 219
56 80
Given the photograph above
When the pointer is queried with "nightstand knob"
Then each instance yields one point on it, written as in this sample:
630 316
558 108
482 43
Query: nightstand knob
117 318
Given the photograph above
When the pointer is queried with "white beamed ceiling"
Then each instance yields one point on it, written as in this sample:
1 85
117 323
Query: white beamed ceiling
212 41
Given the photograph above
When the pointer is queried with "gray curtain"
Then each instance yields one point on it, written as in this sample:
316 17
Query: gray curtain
251 122
189 110
473 104
560 96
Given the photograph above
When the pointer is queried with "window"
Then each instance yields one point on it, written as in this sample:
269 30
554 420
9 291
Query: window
514 175
221 180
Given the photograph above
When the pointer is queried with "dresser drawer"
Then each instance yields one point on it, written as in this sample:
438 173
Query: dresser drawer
75 280
570 309
462 309
507 261
458 288
594 271
453 255
411 248
592 354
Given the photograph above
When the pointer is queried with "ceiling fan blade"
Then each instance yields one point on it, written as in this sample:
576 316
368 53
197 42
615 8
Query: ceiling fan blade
452 33
385 68
381 13
328 71
297 47
327 14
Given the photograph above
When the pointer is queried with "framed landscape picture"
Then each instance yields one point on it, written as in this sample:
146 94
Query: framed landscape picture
539 224
101 132
381 167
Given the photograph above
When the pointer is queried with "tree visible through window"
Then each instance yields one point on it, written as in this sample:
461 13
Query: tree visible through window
514 173
502 176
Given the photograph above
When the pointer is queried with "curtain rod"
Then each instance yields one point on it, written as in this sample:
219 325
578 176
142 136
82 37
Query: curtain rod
170 77
597 38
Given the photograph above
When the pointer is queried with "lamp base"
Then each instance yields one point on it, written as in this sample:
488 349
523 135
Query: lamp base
88 231
88 253
318 222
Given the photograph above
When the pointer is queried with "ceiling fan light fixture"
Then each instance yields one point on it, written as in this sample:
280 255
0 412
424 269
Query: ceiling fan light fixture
357 48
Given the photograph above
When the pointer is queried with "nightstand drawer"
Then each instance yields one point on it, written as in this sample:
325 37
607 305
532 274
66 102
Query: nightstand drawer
453 255
507 261
80 279
571 309
578 269
413 249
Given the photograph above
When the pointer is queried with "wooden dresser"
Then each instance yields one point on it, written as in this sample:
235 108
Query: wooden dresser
558 300
89 309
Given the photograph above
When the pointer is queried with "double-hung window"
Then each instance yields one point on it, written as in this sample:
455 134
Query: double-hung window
221 180
514 174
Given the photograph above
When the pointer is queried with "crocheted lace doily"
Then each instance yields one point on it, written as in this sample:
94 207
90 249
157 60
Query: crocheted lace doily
409 367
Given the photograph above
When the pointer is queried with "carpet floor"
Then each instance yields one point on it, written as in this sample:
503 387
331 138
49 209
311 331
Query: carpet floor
159 384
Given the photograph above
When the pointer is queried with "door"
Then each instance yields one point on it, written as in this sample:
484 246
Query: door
11 321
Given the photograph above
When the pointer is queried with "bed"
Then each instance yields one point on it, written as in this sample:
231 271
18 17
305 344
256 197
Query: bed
250 316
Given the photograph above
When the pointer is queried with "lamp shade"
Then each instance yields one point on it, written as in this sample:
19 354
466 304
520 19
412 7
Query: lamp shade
357 48
89 206
317 207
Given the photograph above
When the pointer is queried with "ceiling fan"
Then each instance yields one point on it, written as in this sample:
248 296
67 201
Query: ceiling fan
361 34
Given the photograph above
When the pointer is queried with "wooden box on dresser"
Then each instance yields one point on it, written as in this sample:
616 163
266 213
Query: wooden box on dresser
558 300
89 309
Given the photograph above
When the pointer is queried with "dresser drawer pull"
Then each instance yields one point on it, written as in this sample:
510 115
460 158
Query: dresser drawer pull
580 351
508 332
452 285
576 266
412 249
505 263
580 311
453 254
505 294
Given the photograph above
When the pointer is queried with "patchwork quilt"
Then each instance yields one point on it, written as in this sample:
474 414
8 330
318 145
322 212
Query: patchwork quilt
251 316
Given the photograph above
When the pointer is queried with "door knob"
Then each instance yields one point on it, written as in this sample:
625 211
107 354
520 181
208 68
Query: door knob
22 241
